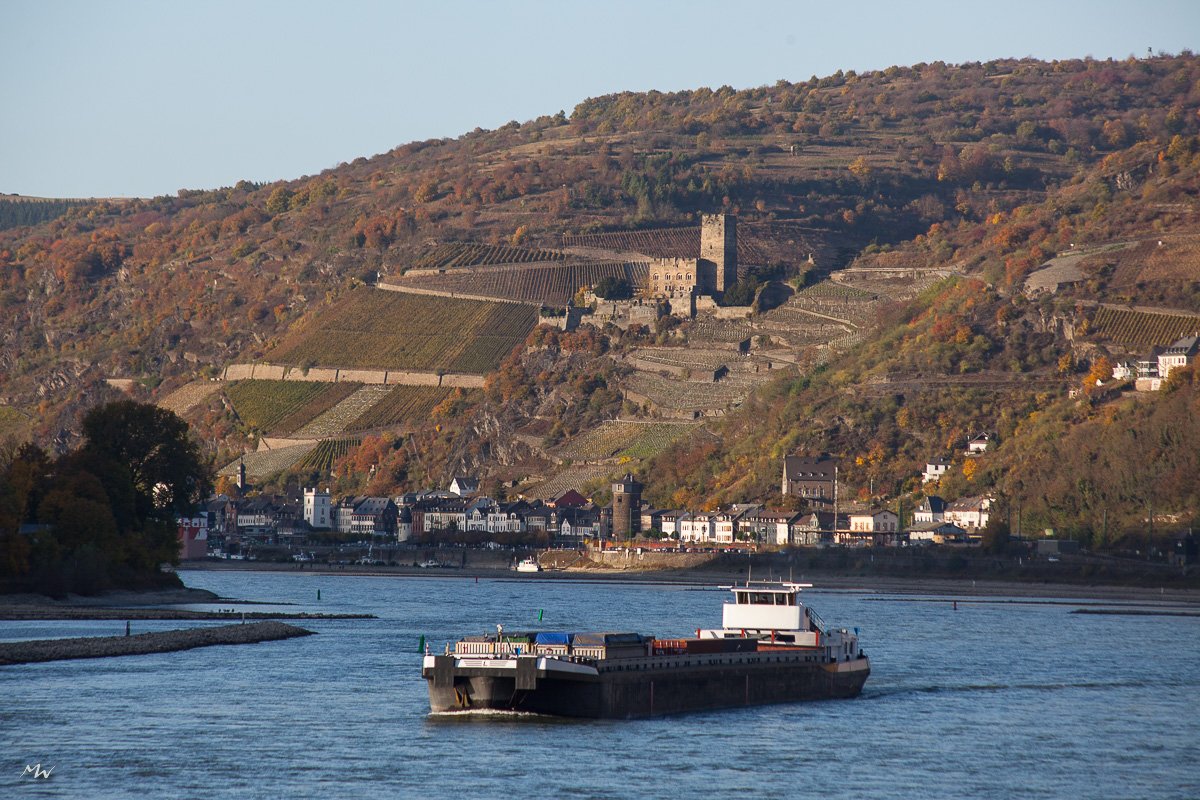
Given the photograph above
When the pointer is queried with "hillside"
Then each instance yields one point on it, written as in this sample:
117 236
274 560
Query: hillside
986 173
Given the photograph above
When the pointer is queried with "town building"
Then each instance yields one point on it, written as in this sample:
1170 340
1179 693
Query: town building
939 532
318 511
193 536
813 479
969 513
464 486
930 509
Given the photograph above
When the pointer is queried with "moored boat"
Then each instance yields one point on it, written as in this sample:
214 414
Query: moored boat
771 648
529 565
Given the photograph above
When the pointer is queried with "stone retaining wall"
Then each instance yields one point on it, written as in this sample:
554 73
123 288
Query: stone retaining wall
375 377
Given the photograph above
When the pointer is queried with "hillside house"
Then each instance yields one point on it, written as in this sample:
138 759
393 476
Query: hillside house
934 470
1179 354
969 513
1125 370
930 509
980 443
811 478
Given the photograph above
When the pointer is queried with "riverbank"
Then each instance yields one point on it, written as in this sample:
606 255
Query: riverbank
143 643
717 574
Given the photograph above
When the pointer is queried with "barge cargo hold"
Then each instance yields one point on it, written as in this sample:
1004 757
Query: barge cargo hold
771 649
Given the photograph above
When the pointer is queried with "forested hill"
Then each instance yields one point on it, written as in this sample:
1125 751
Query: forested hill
954 164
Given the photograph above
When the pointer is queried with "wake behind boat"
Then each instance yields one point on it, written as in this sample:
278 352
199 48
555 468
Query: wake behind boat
771 648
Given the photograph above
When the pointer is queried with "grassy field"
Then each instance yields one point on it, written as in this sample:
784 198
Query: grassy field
373 329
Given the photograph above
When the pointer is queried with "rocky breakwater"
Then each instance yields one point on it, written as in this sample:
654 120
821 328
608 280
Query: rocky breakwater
143 643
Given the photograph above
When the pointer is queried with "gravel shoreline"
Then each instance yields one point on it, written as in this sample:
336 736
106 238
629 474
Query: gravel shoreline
42 650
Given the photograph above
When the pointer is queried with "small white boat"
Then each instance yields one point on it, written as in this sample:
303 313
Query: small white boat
529 565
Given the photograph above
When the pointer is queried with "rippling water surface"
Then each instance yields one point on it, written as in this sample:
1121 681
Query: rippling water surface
994 700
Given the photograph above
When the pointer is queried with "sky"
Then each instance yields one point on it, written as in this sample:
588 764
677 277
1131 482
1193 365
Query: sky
136 98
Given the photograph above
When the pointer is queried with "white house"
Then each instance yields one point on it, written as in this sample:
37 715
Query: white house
931 509
1179 354
724 525
875 521
318 510
969 513
464 486
979 443
934 470
696 527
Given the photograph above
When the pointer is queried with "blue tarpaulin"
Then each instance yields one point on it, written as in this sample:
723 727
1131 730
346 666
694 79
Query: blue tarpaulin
546 637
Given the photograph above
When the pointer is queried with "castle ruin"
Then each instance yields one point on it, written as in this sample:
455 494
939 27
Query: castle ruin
681 280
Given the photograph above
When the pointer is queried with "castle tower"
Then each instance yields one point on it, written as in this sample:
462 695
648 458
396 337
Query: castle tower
627 507
718 247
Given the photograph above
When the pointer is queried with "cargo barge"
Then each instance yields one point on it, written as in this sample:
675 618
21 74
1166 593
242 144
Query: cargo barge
771 648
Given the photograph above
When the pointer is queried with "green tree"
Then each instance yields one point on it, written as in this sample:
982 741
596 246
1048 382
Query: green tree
150 447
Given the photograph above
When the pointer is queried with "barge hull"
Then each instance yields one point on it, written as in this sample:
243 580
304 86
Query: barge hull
644 692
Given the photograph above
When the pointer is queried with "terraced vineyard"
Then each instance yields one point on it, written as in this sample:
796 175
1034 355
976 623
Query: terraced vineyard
188 396
470 254
373 329
538 284
828 299
403 405
673 394
322 457
622 440
1142 329
281 407
573 477
265 463
337 418
660 242
678 242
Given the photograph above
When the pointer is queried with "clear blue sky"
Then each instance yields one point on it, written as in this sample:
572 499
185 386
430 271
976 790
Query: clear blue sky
144 97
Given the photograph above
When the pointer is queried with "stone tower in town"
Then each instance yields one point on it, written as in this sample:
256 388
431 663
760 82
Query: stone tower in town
718 248
626 507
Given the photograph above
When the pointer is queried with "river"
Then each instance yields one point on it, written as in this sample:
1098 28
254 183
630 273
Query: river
994 699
